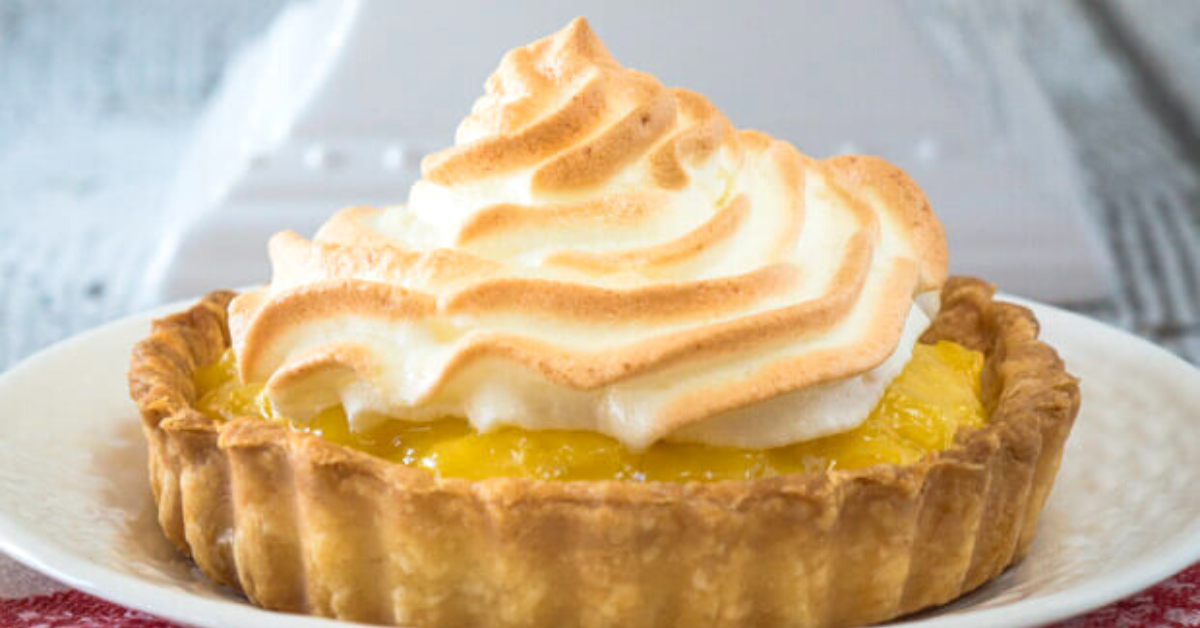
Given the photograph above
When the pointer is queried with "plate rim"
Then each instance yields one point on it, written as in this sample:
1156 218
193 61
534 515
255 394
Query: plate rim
188 608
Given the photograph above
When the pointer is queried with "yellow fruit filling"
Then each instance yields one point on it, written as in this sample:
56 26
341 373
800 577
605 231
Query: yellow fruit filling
937 393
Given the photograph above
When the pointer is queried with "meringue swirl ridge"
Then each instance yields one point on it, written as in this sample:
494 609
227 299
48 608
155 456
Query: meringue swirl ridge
600 252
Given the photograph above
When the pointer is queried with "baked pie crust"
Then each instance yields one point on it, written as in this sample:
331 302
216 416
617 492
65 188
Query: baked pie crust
303 525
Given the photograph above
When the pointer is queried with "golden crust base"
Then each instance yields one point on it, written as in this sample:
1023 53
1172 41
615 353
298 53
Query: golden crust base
303 525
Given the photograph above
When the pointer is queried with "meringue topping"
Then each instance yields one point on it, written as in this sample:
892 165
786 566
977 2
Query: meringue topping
600 252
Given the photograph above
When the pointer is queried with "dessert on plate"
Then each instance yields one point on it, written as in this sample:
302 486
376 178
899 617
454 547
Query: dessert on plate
615 362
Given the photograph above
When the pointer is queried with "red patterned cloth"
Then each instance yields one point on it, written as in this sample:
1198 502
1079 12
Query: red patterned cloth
72 609
1171 604
1174 603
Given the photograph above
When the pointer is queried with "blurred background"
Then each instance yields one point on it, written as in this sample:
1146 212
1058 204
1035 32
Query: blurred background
147 149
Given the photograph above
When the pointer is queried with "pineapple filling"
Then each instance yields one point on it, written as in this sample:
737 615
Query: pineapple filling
937 393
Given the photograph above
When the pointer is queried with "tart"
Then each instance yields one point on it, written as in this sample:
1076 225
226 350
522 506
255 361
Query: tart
615 363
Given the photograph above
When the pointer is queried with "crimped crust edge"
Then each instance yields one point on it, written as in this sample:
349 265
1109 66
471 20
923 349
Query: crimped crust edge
303 525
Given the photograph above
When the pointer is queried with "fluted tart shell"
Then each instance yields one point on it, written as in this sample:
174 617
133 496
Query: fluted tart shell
304 525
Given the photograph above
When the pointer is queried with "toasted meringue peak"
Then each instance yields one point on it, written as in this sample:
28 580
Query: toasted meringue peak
599 252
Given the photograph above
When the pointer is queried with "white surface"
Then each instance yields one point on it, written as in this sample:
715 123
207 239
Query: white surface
335 106
1125 513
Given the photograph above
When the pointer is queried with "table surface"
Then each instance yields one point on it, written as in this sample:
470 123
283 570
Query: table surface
97 101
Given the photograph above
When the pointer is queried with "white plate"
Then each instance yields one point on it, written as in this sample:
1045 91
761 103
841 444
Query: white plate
1125 513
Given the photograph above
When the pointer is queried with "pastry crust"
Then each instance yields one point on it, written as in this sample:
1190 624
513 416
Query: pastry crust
303 525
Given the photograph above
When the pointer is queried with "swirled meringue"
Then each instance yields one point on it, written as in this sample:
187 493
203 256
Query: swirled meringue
600 252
